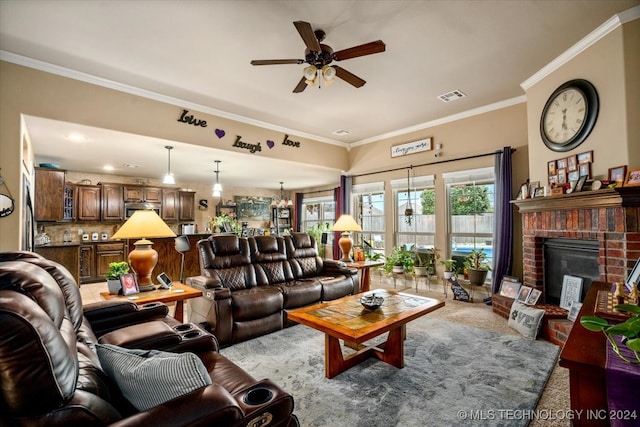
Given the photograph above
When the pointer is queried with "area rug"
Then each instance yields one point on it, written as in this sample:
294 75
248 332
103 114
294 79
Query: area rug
453 375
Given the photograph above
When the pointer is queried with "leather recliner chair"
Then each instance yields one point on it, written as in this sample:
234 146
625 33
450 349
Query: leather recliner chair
50 374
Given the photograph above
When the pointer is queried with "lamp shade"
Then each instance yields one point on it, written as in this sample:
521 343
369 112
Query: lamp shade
346 223
143 224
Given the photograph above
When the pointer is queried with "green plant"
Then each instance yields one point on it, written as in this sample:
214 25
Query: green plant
629 330
116 269
373 256
449 264
224 218
426 258
399 256
477 260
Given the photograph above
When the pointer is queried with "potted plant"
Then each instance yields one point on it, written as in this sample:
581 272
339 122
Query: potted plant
400 261
116 269
424 262
316 232
449 267
629 330
477 266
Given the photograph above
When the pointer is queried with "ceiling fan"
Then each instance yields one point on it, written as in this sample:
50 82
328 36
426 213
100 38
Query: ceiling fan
319 56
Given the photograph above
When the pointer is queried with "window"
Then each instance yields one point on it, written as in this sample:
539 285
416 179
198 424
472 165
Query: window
471 209
419 228
368 202
318 215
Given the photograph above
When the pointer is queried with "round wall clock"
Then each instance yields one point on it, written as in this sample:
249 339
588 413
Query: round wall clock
569 115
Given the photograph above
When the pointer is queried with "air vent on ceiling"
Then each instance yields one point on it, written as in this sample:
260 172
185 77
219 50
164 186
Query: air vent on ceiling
451 96
341 132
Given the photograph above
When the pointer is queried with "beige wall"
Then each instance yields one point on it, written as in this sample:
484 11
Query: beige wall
611 65
36 93
481 134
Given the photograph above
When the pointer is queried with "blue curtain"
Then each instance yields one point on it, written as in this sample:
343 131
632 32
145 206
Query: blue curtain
503 219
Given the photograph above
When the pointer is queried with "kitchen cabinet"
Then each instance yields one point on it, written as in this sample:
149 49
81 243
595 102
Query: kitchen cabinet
186 211
87 202
69 212
107 253
49 202
87 263
139 193
281 218
170 204
65 255
112 196
95 258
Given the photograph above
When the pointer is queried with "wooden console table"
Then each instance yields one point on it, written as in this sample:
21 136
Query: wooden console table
584 354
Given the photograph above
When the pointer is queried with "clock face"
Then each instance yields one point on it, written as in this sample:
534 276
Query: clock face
565 116
569 115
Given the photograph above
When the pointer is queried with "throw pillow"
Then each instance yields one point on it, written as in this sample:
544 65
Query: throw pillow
525 319
148 378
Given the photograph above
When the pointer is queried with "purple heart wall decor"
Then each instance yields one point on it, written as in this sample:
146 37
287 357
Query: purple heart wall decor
270 143
220 133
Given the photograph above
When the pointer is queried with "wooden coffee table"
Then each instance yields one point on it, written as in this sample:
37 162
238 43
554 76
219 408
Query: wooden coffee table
346 319
178 293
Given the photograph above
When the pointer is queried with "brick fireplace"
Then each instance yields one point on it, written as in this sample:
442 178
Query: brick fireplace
610 217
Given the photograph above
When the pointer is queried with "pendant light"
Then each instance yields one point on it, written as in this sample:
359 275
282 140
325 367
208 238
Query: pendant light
408 212
217 188
168 178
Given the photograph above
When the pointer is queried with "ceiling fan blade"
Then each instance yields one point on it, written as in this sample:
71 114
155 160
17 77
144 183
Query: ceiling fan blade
362 50
309 38
348 77
302 85
276 61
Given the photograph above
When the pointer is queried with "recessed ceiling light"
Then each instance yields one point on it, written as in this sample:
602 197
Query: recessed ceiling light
108 168
131 165
76 137
341 132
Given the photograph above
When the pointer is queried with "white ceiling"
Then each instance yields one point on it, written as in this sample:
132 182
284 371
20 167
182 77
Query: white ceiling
198 52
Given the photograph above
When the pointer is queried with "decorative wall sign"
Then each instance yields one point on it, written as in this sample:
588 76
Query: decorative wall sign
190 119
220 133
287 141
571 291
252 208
251 147
411 147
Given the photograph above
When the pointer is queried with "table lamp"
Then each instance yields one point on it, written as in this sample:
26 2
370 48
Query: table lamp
143 224
345 224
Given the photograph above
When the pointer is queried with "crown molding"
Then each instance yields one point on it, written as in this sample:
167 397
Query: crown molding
607 27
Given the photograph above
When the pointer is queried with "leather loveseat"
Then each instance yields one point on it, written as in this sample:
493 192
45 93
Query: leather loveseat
51 375
248 283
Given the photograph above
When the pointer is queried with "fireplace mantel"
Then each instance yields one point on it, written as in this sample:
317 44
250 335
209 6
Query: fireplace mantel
605 198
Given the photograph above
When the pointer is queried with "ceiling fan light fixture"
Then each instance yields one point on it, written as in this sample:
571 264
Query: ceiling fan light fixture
310 72
329 73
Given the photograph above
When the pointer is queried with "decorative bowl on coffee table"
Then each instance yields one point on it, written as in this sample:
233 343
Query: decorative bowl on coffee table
371 302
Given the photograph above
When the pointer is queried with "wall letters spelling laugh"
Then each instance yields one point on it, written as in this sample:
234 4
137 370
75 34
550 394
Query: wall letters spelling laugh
191 120
251 147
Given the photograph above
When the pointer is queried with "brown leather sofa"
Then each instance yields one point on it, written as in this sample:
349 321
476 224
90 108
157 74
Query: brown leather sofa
248 283
50 374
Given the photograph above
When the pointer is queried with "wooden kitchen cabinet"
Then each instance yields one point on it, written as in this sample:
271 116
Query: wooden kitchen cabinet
87 202
112 202
139 193
49 193
107 253
170 203
87 263
186 210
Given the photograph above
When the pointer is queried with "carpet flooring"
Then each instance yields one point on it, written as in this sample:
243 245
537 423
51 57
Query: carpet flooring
454 375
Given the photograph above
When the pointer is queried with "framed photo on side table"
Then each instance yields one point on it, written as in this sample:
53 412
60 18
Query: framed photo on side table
571 291
129 284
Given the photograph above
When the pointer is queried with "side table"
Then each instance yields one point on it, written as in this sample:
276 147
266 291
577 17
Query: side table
364 268
178 293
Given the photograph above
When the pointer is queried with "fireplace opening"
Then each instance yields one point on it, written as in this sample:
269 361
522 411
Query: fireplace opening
574 257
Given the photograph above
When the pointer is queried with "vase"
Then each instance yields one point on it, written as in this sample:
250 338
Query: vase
398 269
477 277
420 271
448 275
114 286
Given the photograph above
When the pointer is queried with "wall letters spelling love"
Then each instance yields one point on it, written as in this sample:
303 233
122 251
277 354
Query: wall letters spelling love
287 141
